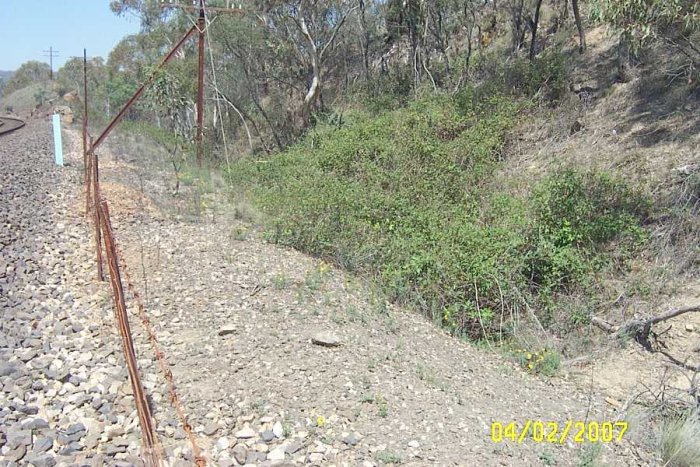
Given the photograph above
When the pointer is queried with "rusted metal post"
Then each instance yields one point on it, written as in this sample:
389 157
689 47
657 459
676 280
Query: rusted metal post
96 210
201 24
140 90
151 445
85 117
88 181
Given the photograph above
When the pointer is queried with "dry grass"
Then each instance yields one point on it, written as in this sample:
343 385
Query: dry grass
680 441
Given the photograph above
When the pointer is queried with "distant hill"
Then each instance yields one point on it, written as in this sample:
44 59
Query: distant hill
5 75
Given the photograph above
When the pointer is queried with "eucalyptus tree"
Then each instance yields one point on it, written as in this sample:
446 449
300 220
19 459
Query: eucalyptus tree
28 73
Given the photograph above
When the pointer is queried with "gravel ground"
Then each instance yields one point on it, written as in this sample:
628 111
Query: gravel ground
279 359
64 393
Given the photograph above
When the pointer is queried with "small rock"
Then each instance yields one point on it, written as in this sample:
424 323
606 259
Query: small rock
29 409
113 449
91 441
276 454
42 460
223 444
245 433
413 444
74 446
240 453
315 457
211 428
7 369
226 330
689 327
254 457
43 444
19 436
326 339
114 431
267 436
37 424
351 439
293 446
16 453
278 430
261 447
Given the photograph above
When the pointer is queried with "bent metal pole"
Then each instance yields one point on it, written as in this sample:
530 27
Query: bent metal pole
142 88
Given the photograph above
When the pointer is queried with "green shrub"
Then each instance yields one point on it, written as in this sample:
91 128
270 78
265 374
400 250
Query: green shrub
403 197
385 92
543 361
575 215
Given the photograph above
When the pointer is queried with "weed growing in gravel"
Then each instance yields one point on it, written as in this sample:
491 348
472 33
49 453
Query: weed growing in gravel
589 455
367 398
300 296
542 361
547 458
316 277
239 233
337 319
382 406
391 324
280 281
381 307
424 373
258 405
355 315
365 382
388 457
287 427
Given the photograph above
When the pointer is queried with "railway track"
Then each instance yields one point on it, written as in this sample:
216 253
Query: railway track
9 124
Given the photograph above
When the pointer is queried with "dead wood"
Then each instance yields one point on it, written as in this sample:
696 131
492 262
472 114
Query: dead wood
640 329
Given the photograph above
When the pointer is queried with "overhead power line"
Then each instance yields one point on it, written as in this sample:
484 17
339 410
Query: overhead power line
51 53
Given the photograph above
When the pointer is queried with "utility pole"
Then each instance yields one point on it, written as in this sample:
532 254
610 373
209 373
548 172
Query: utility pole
201 28
51 53
201 24
85 114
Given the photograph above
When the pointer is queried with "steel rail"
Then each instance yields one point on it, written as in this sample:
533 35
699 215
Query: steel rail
10 124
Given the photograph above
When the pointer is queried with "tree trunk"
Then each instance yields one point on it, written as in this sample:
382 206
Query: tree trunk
315 87
533 28
517 19
364 40
579 26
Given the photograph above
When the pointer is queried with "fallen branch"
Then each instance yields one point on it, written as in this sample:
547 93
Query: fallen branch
641 329
604 325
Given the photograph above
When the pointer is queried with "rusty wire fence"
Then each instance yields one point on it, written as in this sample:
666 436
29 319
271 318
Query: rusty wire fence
107 252
107 249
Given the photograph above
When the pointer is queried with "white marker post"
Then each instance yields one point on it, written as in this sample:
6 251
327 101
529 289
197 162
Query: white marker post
58 144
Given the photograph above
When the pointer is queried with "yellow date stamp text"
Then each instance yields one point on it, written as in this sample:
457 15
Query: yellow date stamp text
558 433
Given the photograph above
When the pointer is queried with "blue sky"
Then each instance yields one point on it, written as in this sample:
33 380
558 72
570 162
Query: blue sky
31 26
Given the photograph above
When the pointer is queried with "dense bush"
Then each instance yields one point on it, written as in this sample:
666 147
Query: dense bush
404 197
543 79
576 213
